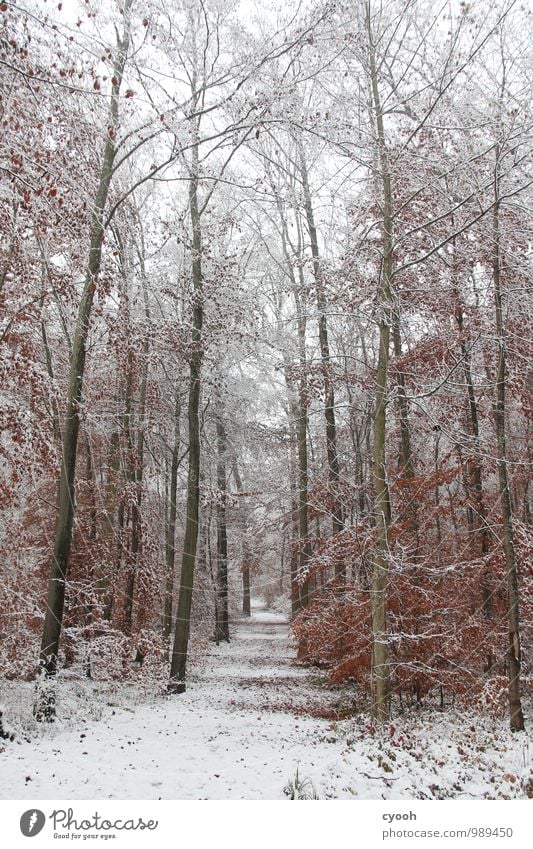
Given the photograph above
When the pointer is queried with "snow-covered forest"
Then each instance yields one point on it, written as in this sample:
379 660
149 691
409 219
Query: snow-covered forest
266 396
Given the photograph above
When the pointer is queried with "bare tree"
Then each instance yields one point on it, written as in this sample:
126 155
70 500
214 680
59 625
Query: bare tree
66 498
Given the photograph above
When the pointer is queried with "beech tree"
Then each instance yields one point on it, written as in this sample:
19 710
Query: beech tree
63 534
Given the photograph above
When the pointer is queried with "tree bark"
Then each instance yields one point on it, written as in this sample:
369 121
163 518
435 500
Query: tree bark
170 539
246 582
329 391
136 471
298 409
181 637
381 687
514 652
222 618
246 600
474 482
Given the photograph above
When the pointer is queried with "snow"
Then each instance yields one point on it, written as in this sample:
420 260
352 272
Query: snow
243 728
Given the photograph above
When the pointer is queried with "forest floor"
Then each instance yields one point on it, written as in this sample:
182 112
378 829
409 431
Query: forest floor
251 717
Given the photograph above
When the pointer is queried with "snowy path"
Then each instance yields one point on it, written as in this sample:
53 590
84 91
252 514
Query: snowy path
243 727
219 740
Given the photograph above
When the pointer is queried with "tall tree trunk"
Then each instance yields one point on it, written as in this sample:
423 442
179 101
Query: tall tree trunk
183 618
406 456
300 542
246 599
170 537
45 709
222 618
381 688
298 407
297 602
406 466
127 612
329 392
303 520
138 468
474 479
514 654
135 448
436 430
246 589
302 424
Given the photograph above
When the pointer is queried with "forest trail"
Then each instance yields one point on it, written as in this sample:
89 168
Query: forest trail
248 719
234 734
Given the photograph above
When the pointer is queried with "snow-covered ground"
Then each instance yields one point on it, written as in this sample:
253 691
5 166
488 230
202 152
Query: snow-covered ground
243 728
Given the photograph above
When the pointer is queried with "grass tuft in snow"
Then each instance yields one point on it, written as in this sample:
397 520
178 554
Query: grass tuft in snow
300 788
